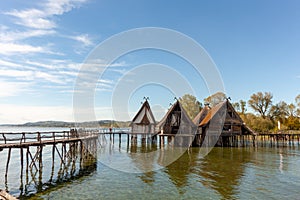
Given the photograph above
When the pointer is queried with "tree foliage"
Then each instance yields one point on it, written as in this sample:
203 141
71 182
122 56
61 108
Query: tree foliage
297 99
279 111
291 110
240 106
257 123
236 106
243 106
215 98
261 103
191 105
269 113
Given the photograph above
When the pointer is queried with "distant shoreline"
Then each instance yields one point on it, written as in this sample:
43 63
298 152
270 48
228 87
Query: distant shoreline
62 124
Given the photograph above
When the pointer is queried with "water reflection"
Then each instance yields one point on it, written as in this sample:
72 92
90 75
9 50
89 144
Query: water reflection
221 170
225 173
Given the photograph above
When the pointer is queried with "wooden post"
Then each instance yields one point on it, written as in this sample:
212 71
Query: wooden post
22 161
7 164
41 158
81 154
27 164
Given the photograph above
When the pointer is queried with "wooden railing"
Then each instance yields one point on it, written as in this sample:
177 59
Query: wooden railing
29 137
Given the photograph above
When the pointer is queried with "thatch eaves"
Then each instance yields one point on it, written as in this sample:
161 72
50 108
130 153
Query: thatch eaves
144 115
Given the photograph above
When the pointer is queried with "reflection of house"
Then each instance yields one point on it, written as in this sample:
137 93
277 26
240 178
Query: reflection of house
222 126
223 169
177 125
143 122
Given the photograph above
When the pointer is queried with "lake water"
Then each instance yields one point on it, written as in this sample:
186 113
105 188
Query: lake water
225 173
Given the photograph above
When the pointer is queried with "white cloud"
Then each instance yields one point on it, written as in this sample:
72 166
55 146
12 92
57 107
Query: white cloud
12 36
38 22
69 73
49 77
12 88
15 73
34 76
32 18
85 39
11 48
59 7
43 18
55 64
8 64
39 64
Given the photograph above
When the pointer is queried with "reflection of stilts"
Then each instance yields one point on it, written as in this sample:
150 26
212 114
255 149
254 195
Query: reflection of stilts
64 150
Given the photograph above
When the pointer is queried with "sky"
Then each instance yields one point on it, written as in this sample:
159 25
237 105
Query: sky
255 46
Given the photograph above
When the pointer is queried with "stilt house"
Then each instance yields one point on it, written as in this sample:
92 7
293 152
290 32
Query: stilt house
223 126
176 121
144 121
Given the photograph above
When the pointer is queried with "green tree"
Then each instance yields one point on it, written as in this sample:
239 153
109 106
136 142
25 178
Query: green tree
257 123
261 103
291 110
279 111
215 98
292 123
240 107
243 106
297 99
191 105
236 106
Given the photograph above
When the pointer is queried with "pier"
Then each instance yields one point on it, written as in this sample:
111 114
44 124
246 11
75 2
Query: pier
72 154
73 151
281 139
277 139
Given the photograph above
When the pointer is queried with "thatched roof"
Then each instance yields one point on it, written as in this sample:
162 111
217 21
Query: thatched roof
212 112
201 115
144 115
232 117
186 125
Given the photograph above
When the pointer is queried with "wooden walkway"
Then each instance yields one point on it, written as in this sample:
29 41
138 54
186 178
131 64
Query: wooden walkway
257 140
277 139
25 139
67 146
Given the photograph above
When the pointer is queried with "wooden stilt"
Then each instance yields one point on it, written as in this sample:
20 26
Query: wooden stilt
7 164
21 174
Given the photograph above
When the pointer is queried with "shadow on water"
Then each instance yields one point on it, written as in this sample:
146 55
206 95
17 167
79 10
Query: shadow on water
57 169
221 170
60 182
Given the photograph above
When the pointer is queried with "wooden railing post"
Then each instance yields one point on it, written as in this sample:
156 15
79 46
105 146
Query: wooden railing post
4 138
39 137
53 135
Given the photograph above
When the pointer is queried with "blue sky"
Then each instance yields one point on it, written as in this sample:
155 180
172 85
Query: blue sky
254 44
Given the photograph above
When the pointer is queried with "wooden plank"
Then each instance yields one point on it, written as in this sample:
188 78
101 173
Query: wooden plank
46 142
